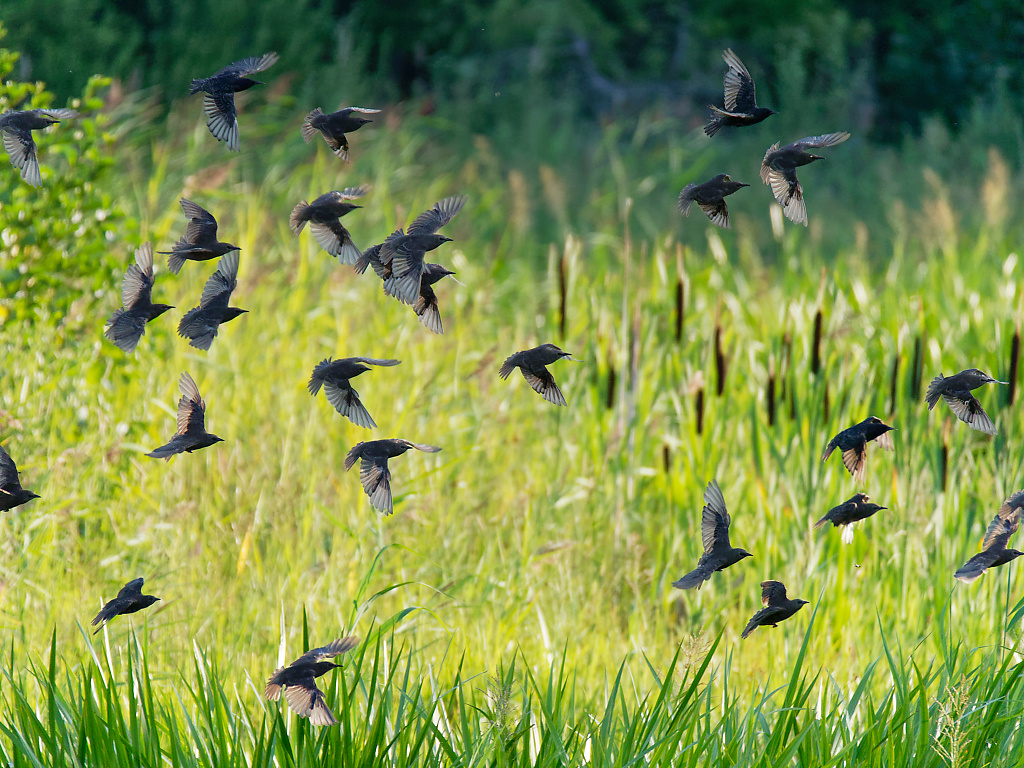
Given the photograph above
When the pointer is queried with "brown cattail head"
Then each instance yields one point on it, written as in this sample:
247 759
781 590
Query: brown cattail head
666 458
1011 391
816 345
944 462
769 394
892 383
610 399
825 405
698 403
720 364
916 370
562 290
680 308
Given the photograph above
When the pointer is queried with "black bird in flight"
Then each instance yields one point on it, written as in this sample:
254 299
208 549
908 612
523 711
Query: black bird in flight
740 99
220 89
191 434
128 323
853 442
299 681
129 600
719 553
777 607
201 323
11 493
373 469
994 551
532 363
16 126
852 510
956 391
710 196
425 305
334 126
324 217
199 243
778 171
404 252
334 375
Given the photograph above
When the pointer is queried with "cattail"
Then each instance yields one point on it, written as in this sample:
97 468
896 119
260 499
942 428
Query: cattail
610 399
1014 359
944 462
892 383
562 290
720 366
769 394
680 307
816 346
787 348
792 403
826 405
916 371
698 401
666 458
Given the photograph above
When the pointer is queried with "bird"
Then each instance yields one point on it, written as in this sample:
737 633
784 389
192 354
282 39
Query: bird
404 252
710 196
425 305
11 493
994 551
852 510
778 171
199 243
191 434
740 99
777 607
719 553
200 324
129 600
956 391
220 89
324 217
853 442
373 468
16 126
334 126
532 362
299 681
371 258
334 375
128 322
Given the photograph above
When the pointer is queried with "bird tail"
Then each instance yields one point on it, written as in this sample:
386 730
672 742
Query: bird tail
694 578
507 367
933 394
308 131
714 124
751 626
199 84
175 261
352 457
828 451
295 221
316 380
820 523
686 200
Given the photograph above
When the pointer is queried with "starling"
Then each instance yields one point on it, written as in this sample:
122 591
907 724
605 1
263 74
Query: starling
852 510
404 252
129 600
299 678
200 324
199 243
334 127
324 215
777 607
532 363
778 170
191 434
425 306
334 375
993 550
17 126
956 391
373 471
853 442
128 323
11 493
220 89
740 99
710 196
719 554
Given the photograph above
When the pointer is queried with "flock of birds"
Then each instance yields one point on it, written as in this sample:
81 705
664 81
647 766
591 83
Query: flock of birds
400 263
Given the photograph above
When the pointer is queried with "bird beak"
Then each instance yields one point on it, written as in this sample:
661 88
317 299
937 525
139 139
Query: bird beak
447 240
742 184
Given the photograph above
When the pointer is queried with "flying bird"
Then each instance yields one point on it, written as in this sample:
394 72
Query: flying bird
220 89
778 171
994 551
425 305
777 607
334 375
128 323
719 553
532 362
956 391
371 258
11 493
129 600
853 442
852 510
740 99
373 469
201 323
191 434
324 217
16 126
199 243
334 126
710 196
299 681
404 252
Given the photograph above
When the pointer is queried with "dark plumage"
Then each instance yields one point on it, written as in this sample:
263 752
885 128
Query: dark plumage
191 434
373 469
334 126
299 681
710 196
334 375
128 323
532 363
719 553
129 600
956 391
201 323
425 305
324 215
853 442
740 99
778 171
199 243
11 493
371 258
404 252
16 128
777 607
220 88
852 510
994 551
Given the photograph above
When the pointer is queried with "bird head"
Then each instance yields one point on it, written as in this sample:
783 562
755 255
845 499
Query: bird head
879 422
29 495
985 378
159 309
347 207
802 602
743 553
245 83
232 312
363 120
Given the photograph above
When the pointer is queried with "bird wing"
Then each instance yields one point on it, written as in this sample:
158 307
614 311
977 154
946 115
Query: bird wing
425 447
325 652
443 211
787 191
406 275
371 258
330 235
222 282
977 565
21 149
363 110
196 212
1002 527
59 114
301 695
132 589
191 407
854 459
825 140
544 383
199 328
375 361
138 280
969 410
376 479
714 520
427 311
1013 504
346 402
221 118
353 193
739 85
717 212
773 593
764 617
250 65
8 471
